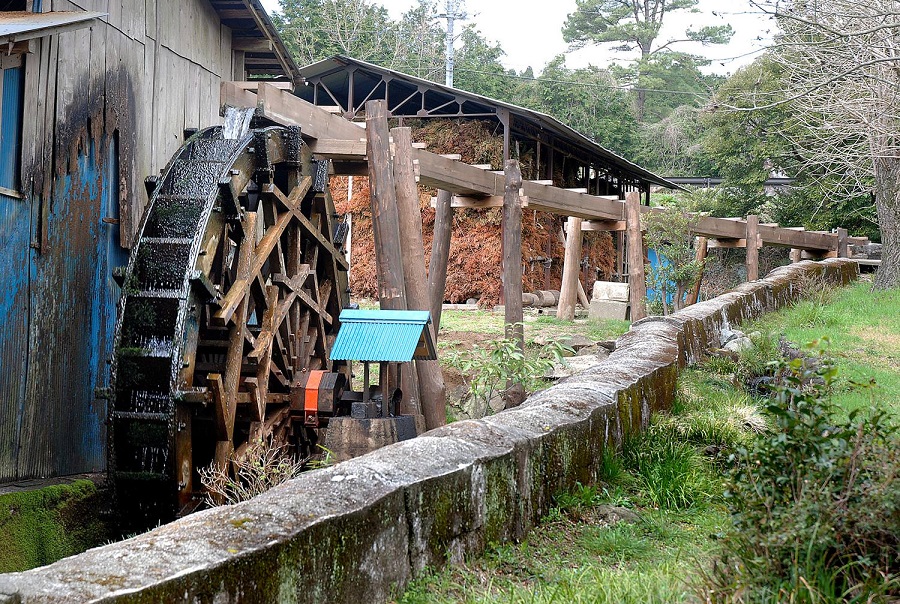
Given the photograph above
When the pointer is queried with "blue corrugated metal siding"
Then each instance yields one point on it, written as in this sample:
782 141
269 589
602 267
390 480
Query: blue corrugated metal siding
15 234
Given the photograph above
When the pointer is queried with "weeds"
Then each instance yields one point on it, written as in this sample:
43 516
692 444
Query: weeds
263 466
489 371
815 502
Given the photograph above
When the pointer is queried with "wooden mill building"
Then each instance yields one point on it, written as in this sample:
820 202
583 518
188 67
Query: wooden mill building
96 96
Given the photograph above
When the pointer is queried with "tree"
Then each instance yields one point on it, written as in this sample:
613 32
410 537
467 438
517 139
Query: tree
317 29
839 59
635 26
590 101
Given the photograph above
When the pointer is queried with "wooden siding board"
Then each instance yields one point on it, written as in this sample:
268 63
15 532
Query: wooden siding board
150 19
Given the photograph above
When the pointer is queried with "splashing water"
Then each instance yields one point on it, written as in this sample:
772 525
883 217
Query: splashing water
237 122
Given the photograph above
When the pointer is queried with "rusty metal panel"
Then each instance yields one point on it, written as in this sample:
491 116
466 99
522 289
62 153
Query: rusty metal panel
73 306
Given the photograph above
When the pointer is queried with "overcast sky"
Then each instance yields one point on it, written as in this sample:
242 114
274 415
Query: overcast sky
530 31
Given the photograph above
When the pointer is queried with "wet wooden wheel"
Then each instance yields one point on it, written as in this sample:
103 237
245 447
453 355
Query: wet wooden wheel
230 297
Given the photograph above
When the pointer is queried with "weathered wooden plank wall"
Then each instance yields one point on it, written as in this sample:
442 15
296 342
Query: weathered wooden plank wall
105 107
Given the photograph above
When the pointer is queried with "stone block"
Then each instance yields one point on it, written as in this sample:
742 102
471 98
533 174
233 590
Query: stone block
610 290
607 309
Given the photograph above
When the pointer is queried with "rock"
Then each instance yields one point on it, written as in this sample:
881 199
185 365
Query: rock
730 334
610 345
573 365
738 344
613 514
471 301
593 351
754 335
607 309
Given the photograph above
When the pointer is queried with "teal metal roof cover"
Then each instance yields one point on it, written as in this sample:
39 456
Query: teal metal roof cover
393 336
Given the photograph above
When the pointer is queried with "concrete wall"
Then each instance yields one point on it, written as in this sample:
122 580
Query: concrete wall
359 531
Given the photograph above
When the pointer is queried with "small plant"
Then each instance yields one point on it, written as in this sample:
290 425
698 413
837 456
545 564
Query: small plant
815 501
263 466
487 371
671 235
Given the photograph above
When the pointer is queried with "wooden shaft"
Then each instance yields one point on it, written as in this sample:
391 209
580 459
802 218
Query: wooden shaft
637 286
796 254
568 292
843 244
512 269
385 217
432 393
702 250
440 255
752 247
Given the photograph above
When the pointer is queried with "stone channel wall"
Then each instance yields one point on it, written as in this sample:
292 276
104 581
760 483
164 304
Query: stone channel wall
359 531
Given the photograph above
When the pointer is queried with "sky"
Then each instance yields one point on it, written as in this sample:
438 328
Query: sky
530 31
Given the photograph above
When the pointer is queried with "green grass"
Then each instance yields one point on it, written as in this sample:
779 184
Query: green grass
863 328
41 526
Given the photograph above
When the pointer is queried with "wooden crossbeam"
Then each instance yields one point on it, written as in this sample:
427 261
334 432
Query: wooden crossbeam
473 181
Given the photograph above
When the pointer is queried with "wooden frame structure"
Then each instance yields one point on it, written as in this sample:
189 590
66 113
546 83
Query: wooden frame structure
343 142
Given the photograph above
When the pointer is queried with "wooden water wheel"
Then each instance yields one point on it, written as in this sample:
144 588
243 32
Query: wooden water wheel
230 299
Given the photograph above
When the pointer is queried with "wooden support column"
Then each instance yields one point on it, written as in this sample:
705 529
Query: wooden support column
752 247
386 233
700 257
637 286
512 270
843 244
385 217
571 267
431 380
440 255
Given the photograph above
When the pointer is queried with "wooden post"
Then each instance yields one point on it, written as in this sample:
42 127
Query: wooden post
843 245
440 255
796 254
637 286
512 270
752 247
385 217
700 256
568 290
431 380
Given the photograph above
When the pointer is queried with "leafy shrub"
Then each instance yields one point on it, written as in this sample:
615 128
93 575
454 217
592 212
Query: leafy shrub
489 371
815 502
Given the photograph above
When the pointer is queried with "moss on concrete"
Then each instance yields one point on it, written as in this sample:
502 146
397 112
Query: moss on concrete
41 526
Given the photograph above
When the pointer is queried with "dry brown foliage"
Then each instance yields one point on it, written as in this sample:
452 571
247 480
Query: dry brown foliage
475 255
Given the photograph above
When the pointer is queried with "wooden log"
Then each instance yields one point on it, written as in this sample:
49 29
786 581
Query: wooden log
582 295
637 286
385 217
571 267
700 257
512 271
440 256
752 247
433 395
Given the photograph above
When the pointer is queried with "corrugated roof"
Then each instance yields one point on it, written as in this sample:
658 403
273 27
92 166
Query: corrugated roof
17 26
392 336
540 121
